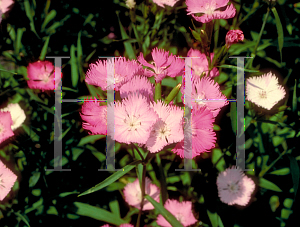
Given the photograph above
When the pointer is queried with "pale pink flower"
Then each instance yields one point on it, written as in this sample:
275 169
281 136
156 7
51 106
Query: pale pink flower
17 114
199 65
167 129
233 36
133 194
181 211
140 85
162 60
206 92
235 187
4 5
94 117
111 35
133 119
264 90
201 130
41 76
209 9
165 2
122 69
126 225
7 178
5 126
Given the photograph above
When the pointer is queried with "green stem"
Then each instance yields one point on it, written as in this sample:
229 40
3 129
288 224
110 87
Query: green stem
264 171
157 95
143 195
134 147
249 63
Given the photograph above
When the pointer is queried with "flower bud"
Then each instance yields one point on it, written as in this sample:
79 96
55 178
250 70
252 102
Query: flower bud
233 36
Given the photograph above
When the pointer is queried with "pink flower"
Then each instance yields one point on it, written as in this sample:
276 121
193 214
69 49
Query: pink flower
201 131
41 76
111 35
209 91
4 4
133 120
264 90
200 64
165 2
181 211
122 71
161 61
17 114
233 36
235 187
126 225
106 225
140 85
208 8
133 194
167 129
95 118
7 178
5 126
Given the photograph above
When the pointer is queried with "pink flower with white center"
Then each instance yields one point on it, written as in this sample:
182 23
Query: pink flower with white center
162 60
140 85
233 36
7 178
264 90
4 5
121 70
165 2
209 9
201 130
5 126
41 76
235 187
167 129
94 117
181 211
133 120
199 65
133 194
17 114
206 92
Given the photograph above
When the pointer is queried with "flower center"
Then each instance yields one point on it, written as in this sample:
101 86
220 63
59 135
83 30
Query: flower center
1 181
199 98
263 94
233 187
164 131
210 8
133 123
180 217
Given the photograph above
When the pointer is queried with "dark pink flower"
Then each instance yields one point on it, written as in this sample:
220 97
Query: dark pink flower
181 211
122 70
126 225
140 85
201 130
235 187
111 35
209 9
162 60
41 76
165 2
167 129
7 177
94 117
133 194
206 92
233 36
5 126
200 64
133 119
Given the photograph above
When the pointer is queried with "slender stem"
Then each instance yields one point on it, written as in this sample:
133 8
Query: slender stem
249 63
157 95
134 147
263 172
143 195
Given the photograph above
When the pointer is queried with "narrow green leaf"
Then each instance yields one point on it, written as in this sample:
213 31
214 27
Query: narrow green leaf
79 48
90 139
215 219
112 178
98 213
18 43
233 117
74 70
235 67
50 16
64 194
279 31
165 213
128 47
268 185
33 136
162 180
295 98
34 179
280 172
22 218
115 208
44 50
295 173
173 93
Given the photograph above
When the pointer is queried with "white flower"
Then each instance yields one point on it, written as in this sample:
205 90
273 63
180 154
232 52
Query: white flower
234 187
264 90
130 4
17 114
